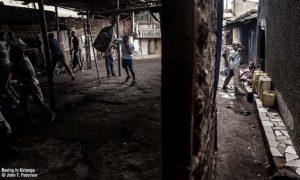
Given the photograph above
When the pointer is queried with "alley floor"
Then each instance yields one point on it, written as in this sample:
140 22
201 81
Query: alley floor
241 152
109 131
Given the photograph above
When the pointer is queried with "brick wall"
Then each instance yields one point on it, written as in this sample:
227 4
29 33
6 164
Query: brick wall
22 31
125 25
204 118
282 55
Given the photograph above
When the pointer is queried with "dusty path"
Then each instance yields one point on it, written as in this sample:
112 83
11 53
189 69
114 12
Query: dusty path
241 152
109 131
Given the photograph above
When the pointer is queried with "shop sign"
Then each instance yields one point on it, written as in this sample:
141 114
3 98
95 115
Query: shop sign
149 34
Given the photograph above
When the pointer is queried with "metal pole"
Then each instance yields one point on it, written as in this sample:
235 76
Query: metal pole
57 24
47 53
94 52
118 36
87 46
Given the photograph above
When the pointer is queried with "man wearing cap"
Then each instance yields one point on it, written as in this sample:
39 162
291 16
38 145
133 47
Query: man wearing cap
234 63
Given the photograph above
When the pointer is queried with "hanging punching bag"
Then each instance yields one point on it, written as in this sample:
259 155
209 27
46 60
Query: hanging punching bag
104 38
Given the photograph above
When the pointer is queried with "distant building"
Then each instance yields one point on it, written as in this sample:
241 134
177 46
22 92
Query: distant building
242 27
147 34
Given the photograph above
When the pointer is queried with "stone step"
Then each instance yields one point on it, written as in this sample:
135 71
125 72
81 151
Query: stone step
281 151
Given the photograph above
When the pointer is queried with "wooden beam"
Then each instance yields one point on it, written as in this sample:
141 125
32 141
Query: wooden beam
94 52
133 22
47 53
177 91
57 24
118 37
87 45
156 8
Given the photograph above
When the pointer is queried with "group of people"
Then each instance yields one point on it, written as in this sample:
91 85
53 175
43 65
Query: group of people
14 61
58 55
127 50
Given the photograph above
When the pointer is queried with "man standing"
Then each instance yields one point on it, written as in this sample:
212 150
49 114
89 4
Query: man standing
58 55
30 84
75 49
5 69
234 63
127 50
109 60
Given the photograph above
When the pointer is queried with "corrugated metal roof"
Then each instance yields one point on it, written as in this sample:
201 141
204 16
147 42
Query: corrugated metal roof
99 6
244 18
61 11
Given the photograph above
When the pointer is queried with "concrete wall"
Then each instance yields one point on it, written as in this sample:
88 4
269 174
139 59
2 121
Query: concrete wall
249 41
281 20
241 6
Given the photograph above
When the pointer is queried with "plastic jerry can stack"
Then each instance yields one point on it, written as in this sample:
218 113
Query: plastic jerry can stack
256 76
264 83
268 98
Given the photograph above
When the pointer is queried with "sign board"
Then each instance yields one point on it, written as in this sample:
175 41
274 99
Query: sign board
142 18
149 34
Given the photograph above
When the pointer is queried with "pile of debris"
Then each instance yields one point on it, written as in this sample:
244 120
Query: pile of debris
237 108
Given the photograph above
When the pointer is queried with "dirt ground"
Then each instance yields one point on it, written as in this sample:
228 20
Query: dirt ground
241 152
109 131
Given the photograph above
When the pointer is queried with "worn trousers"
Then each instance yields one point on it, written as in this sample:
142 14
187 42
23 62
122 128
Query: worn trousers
36 93
76 60
109 65
62 60
235 73
5 88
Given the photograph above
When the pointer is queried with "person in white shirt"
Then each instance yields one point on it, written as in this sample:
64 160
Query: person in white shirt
127 50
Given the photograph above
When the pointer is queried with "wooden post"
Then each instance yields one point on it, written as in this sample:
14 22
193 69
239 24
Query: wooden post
87 45
57 24
133 22
94 52
118 37
177 91
87 49
47 53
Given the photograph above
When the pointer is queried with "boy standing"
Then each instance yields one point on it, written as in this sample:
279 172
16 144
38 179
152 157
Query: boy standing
127 50
234 64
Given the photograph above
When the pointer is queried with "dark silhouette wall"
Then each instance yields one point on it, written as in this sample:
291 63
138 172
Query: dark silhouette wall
188 71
